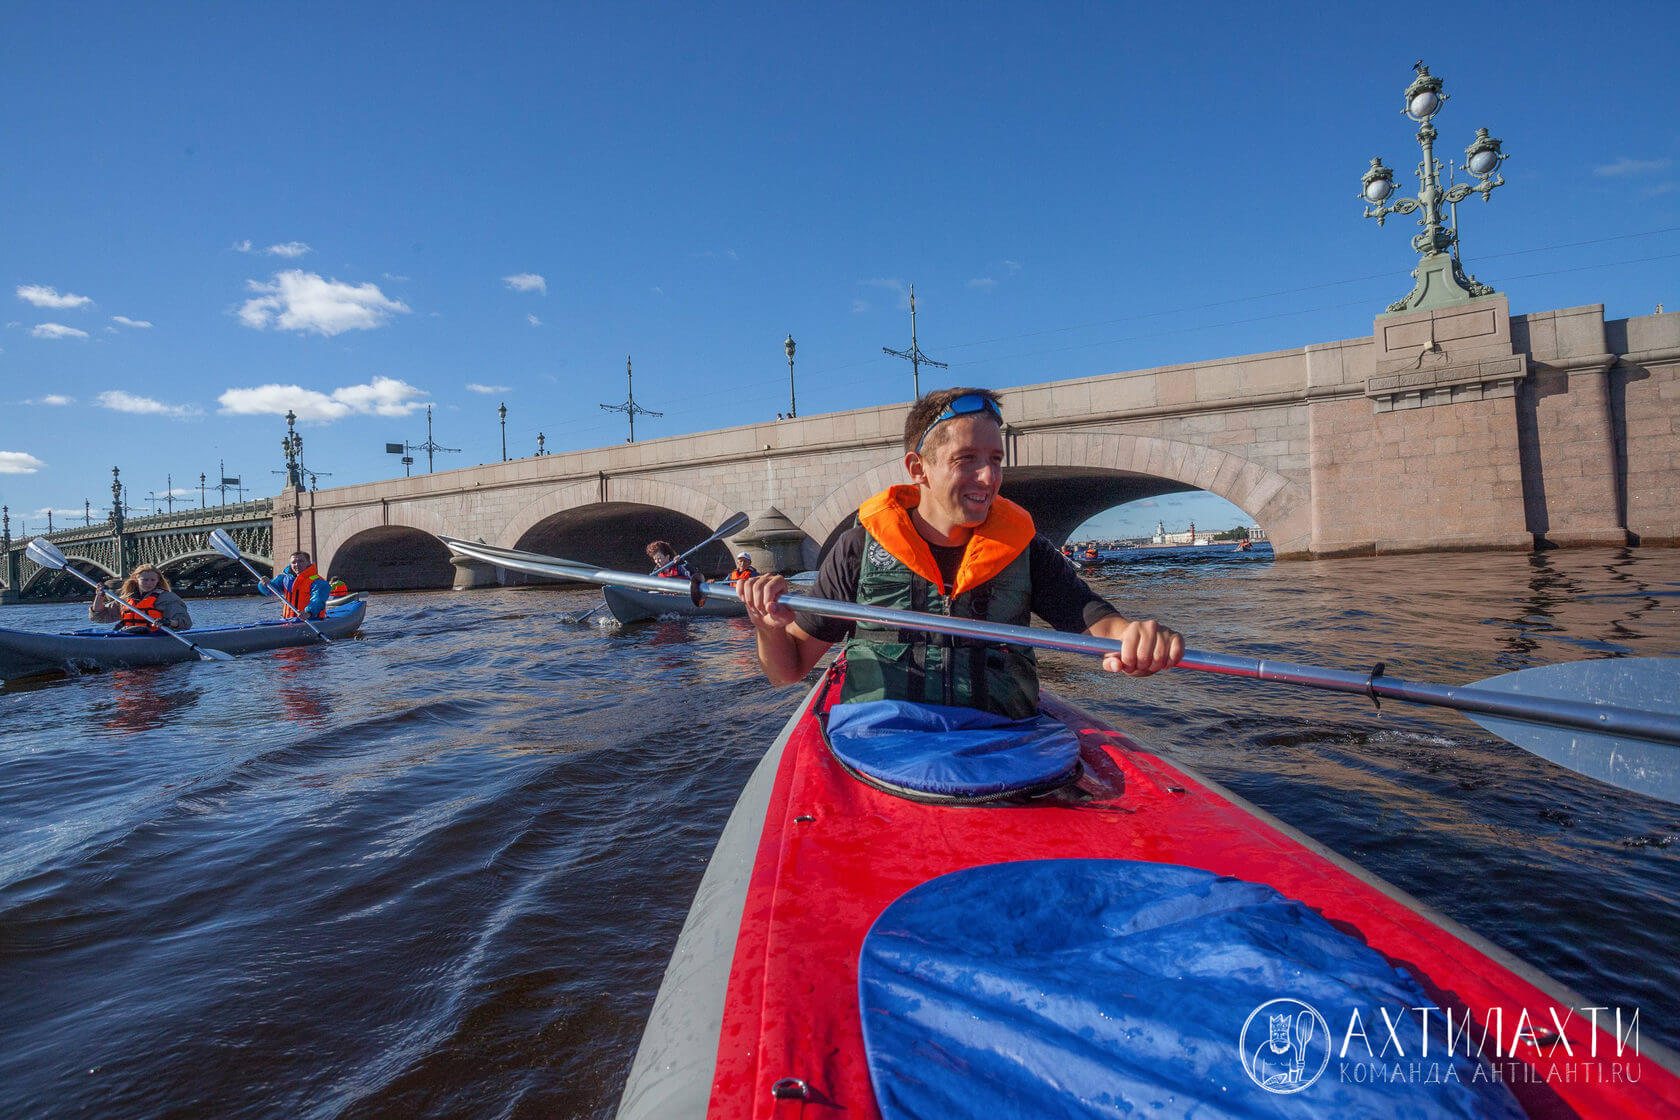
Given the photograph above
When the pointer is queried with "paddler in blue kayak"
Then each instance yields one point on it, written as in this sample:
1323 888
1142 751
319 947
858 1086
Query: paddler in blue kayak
303 589
153 602
947 543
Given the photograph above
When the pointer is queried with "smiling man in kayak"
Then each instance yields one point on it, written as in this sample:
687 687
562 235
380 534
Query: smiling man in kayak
948 544
303 589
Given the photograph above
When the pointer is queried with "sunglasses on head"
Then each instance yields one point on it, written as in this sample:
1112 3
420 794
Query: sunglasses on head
966 405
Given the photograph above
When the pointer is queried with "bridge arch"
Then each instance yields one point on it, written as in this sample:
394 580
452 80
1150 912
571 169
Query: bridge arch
574 521
389 547
1086 472
37 582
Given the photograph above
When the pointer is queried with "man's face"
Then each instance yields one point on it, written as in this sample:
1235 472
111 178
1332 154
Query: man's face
961 473
300 561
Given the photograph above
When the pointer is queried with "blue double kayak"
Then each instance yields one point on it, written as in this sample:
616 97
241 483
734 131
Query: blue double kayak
25 653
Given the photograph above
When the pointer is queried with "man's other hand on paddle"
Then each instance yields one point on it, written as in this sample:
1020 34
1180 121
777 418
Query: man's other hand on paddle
1147 647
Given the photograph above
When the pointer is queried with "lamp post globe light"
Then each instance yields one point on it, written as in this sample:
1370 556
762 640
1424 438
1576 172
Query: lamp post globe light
1441 280
502 410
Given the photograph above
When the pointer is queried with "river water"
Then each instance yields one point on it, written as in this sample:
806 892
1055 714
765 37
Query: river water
438 871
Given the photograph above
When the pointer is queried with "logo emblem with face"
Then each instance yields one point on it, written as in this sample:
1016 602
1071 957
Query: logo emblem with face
1284 1045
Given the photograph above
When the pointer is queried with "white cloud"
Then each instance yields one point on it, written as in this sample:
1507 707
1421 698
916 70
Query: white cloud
533 320
1661 188
53 399
19 462
44 295
1625 166
289 249
383 396
526 282
141 324
120 401
714 255
56 330
983 283
657 290
859 306
394 278
242 246
303 301
489 390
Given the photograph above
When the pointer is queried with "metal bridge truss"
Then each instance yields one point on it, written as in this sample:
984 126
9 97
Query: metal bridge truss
174 543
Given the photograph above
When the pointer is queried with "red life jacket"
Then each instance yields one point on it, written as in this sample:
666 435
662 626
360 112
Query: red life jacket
740 574
297 596
145 613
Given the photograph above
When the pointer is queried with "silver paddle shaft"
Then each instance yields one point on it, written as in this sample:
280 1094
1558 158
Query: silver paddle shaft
1602 719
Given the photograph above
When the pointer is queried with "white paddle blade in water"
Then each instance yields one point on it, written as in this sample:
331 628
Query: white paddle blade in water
1642 683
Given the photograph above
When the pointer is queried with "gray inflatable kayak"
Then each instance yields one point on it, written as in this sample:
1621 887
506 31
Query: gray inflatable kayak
25 653
630 605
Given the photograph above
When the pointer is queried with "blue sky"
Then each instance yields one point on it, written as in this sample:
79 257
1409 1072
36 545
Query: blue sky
213 212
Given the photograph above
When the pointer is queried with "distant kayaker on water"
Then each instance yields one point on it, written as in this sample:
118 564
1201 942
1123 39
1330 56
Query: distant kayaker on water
665 561
743 568
302 588
947 544
153 600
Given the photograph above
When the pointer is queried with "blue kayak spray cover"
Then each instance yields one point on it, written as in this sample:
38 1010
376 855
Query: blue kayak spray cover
1113 988
950 752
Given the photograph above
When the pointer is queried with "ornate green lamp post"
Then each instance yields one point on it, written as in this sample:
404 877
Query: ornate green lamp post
1441 282
292 445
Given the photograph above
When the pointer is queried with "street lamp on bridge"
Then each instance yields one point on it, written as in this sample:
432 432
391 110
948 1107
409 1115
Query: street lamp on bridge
793 408
292 444
1441 280
502 411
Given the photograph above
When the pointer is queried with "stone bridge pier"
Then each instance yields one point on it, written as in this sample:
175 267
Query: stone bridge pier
1464 428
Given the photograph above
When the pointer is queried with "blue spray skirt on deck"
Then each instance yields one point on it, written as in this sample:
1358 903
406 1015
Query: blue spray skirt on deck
950 752
1114 988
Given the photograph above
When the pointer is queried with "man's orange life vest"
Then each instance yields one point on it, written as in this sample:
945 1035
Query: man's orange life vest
145 613
297 596
740 574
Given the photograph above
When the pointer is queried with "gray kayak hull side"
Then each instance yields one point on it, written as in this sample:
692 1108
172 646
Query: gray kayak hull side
671 1078
24 653
628 605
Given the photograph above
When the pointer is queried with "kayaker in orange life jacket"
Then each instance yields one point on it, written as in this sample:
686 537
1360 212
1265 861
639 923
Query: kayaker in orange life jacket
150 592
665 562
743 568
947 543
304 589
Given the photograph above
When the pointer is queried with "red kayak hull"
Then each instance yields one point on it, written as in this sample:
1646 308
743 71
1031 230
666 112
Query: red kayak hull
834 852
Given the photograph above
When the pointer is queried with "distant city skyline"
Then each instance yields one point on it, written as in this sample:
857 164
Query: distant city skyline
217 214
1176 511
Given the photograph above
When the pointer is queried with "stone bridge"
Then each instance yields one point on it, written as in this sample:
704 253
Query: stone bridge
173 542
1463 428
